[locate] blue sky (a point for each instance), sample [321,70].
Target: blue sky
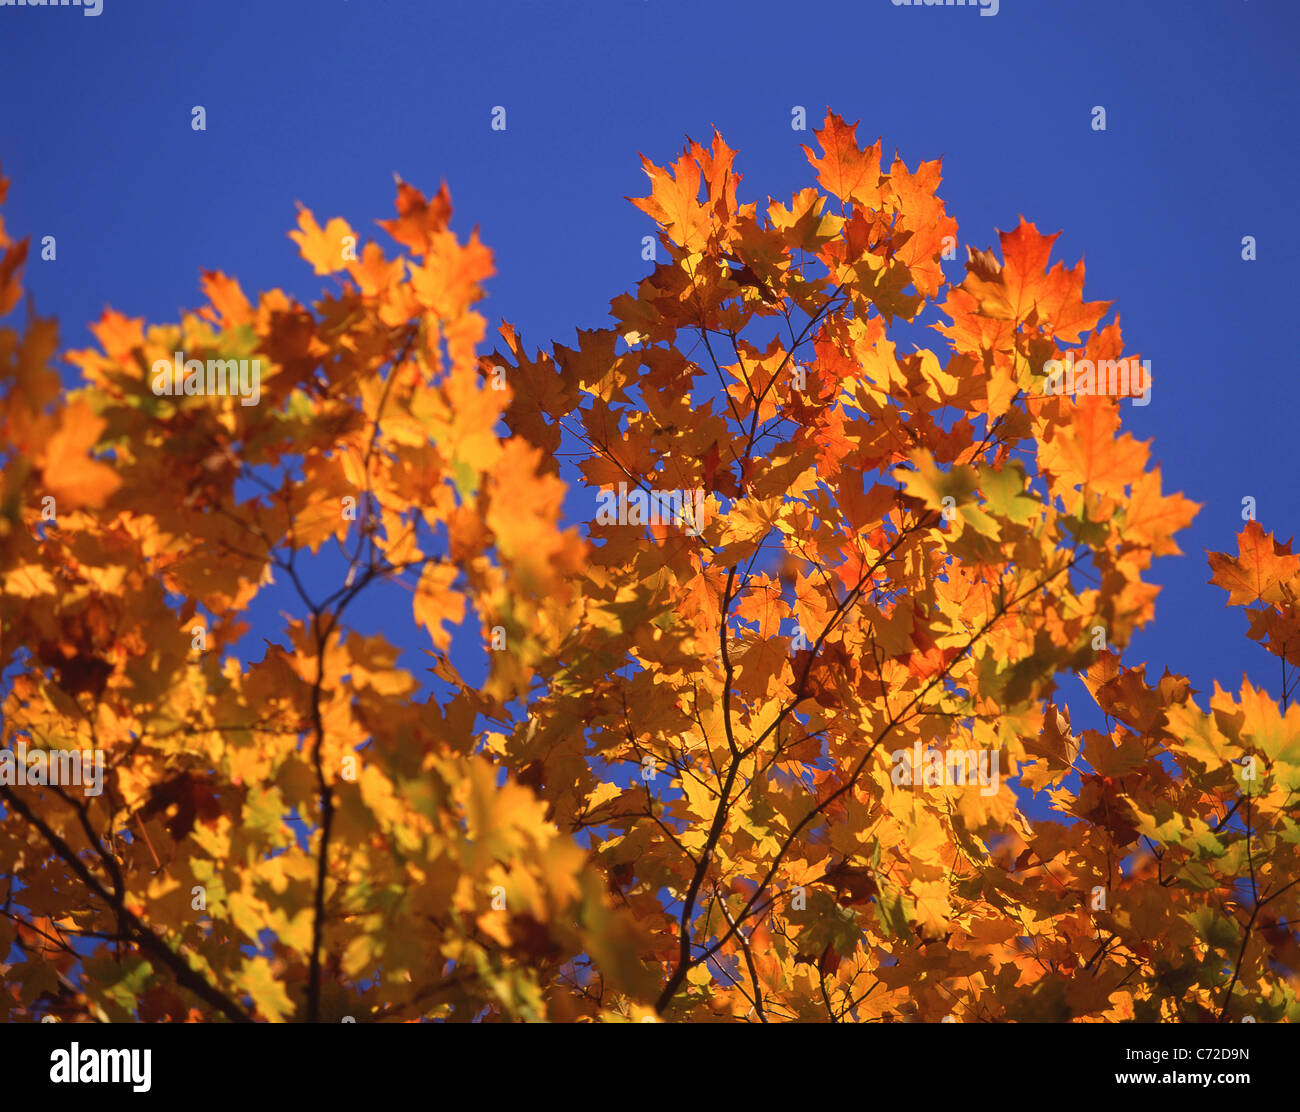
[324,101]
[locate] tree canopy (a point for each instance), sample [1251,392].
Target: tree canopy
[751,740]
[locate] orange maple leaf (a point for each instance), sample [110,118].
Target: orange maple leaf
[1258,570]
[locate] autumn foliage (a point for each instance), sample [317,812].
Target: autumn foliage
[672,790]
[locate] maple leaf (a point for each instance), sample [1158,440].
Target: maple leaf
[845,169]
[70,473]
[325,248]
[1087,453]
[419,220]
[435,602]
[1258,571]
